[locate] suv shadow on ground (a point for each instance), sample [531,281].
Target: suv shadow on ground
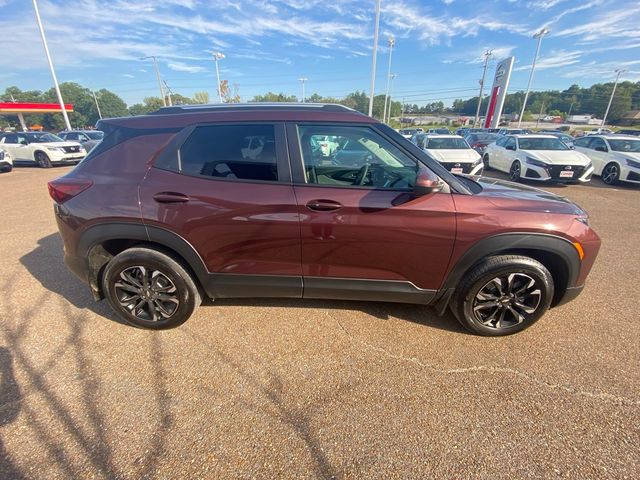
[46,264]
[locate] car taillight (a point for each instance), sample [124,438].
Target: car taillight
[62,189]
[477,145]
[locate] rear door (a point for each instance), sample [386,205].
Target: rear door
[11,144]
[237,211]
[363,235]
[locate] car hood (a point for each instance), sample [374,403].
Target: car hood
[558,157]
[515,196]
[454,155]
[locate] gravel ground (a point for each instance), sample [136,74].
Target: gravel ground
[312,389]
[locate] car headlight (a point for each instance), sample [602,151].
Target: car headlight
[536,163]
[56,149]
[632,163]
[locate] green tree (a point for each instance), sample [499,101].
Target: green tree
[201,97]
[111,105]
[274,97]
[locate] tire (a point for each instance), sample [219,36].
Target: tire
[485,161]
[166,293]
[515,171]
[475,307]
[42,160]
[611,173]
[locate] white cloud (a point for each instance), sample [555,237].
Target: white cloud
[557,58]
[184,67]
[128,75]
[545,4]
[604,70]
[613,23]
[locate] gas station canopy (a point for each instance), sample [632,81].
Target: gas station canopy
[20,107]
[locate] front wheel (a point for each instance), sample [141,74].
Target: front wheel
[149,289]
[611,174]
[503,295]
[485,161]
[42,160]
[515,171]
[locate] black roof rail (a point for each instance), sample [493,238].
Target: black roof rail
[327,107]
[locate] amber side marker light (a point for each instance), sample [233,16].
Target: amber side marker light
[579,249]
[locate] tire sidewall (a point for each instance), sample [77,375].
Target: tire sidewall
[42,159]
[186,291]
[617,177]
[543,279]
[517,162]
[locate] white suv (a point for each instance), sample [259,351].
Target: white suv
[42,148]
[6,162]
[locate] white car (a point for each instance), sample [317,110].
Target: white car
[615,158]
[6,162]
[452,151]
[537,157]
[42,148]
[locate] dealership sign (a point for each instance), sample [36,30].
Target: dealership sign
[498,92]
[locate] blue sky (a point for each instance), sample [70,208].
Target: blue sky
[270,44]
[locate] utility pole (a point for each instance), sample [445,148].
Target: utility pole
[155,65]
[373,61]
[218,56]
[53,72]
[168,90]
[97,104]
[540,114]
[302,80]
[487,55]
[391,43]
[402,113]
[570,108]
[613,92]
[393,77]
[537,36]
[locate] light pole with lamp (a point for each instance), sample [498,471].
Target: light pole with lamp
[487,54]
[393,77]
[373,60]
[613,92]
[392,42]
[537,36]
[218,56]
[155,65]
[303,80]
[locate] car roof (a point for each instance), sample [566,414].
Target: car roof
[183,115]
[616,137]
[442,135]
[533,135]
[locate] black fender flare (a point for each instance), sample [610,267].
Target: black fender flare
[96,235]
[514,242]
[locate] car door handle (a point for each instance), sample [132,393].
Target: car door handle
[170,197]
[323,205]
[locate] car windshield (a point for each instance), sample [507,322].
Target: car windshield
[95,135]
[625,145]
[551,143]
[447,144]
[441,130]
[483,137]
[43,137]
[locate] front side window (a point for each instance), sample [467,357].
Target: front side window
[510,142]
[221,152]
[582,142]
[353,156]
[501,141]
[598,143]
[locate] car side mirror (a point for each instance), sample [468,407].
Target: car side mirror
[426,183]
[22,141]
[601,149]
[572,147]
[510,147]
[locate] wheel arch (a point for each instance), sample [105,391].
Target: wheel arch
[100,243]
[556,253]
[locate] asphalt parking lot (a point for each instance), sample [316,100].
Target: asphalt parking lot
[313,389]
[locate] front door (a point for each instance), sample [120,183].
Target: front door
[363,235]
[236,208]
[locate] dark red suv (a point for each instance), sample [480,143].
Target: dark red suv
[308,201]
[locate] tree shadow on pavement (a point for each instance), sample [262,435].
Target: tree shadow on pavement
[10,403]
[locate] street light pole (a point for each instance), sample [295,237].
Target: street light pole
[53,72]
[373,61]
[393,76]
[538,36]
[302,80]
[155,65]
[487,54]
[392,42]
[218,56]
[613,92]
[97,104]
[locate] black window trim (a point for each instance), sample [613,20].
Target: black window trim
[172,152]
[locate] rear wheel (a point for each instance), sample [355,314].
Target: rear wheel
[42,160]
[611,173]
[515,171]
[503,295]
[485,161]
[149,289]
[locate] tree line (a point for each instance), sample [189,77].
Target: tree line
[575,100]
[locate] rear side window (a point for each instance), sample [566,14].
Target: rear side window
[223,152]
